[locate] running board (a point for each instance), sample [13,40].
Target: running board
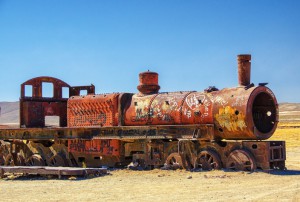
[46,170]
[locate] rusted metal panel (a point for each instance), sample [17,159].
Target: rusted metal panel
[95,146]
[96,152]
[197,109]
[204,132]
[237,113]
[31,114]
[36,84]
[241,113]
[34,112]
[169,108]
[166,108]
[93,110]
[139,111]
[75,90]
[34,108]
[134,146]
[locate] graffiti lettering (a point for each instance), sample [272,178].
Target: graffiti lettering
[193,100]
[92,146]
[165,117]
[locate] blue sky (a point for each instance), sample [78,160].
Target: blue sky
[191,44]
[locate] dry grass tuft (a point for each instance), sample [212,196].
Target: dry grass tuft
[289,132]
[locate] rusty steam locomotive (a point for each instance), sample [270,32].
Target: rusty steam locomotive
[206,130]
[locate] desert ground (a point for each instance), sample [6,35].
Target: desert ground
[179,185]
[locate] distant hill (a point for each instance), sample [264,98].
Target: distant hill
[289,112]
[10,112]
[289,107]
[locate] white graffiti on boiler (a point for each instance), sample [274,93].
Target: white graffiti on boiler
[194,100]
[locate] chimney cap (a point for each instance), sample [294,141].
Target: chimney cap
[148,82]
[148,72]
[244,57]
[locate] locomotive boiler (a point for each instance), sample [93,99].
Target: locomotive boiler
[206,130]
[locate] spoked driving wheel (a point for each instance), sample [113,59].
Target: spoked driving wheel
[17,161]
[57,160]
[2,160]
[174,161]
[4,152]
[35,160]
[241,160]
[208,160]
[9,160]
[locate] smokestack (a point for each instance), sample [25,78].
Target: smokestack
[148,83]
[244,69]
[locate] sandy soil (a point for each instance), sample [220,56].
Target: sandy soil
[159,185]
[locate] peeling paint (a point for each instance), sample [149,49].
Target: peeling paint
[231,119]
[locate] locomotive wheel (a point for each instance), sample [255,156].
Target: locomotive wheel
[241,160]
[10,161]
[208,160]
[4,151]
[2,160]
[57,160]
[174,161]
[39,149]
[172,148]
[35,160]
[20,160]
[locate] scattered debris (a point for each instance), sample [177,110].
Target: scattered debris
[189,177]
[216,176]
